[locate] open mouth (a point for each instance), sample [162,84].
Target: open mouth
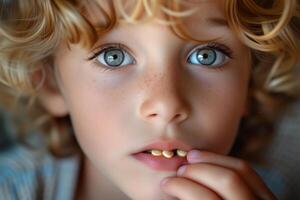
[163,155]
[162,160]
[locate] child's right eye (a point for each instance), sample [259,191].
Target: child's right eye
[112,57]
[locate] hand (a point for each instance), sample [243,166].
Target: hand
[214,176]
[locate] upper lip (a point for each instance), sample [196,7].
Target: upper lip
[166,145]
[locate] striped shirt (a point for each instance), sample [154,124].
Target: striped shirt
[30,174]
[33,173]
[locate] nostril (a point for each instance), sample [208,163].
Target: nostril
[179,117]
[153,115]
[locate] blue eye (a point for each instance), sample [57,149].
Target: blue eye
[212,56]
[114,57]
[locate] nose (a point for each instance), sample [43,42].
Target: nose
[164,101]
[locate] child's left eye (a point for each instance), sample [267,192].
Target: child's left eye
[209,56]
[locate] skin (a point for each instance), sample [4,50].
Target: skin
[158,96]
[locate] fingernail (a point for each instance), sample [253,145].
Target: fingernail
[181,170]
[194,156]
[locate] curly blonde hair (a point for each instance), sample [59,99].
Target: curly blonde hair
[30,32]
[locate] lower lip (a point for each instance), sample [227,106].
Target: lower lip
[161,163]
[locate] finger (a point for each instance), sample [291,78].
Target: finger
[185,189]
[251,178]
[226,183]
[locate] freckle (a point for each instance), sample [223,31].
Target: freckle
[149,81]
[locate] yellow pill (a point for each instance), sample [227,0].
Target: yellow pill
[168,154]
[181,153]
[156,152]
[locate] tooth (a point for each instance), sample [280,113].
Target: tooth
[167,154]
[156,152]
[181,153]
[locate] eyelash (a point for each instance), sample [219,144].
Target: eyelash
[106,47]
[212,45]
[217,46]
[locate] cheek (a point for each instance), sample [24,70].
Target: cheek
[98,118]
[219,111]
[222,123]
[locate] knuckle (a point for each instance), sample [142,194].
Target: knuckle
[231,180]
[243,166]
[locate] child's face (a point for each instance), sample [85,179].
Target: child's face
[162,90]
